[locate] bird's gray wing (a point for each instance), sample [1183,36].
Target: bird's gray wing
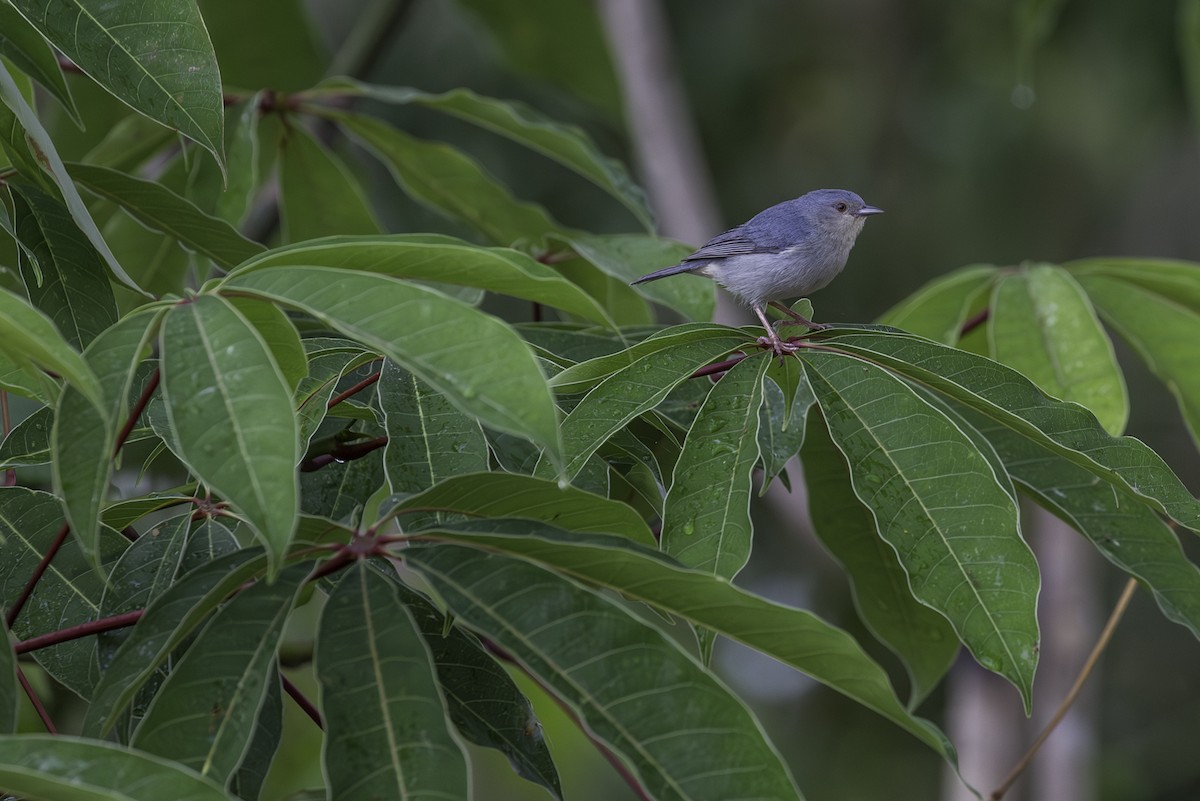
[734,242]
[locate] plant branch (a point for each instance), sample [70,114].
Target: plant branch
[82,630]
[976,321]
[342,453]
[1088,666]
[719,367]
[136,413]
[301,700]
[354,390]
[32,695]
[27,591]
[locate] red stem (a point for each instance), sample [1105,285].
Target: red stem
[37,574]
[136,413]
[354,390]
[342,453]
[37,702]
[308,706]
[82,630]
[976,321]
[719,367]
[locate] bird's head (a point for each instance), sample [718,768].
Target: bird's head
[836,210]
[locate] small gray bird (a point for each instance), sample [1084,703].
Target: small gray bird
[789,250]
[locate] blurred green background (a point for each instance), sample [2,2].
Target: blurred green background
[990,131]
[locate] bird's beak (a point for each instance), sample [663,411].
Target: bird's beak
[867,211]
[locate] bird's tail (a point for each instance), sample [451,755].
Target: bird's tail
[685,267]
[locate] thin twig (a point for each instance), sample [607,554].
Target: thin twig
[120,621]
[308,706]
[976,321]
[1088,666]
[32,695]
[37,574]
[136,413]
[342,453]
[354,390]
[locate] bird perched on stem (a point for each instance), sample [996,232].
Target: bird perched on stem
[786,251]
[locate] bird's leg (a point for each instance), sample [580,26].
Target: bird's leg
[800,318]
[772,339]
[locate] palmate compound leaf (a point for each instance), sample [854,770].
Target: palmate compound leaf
[939,503]
[386,732]
[1010,399]
[795,637]
[475,360]
[75,769]
[684,735]
[156,57]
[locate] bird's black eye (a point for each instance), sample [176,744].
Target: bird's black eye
[841,207]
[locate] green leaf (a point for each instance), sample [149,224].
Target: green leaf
[166,624]
[84,436]
[31,341]
[513,495]
[428,439]
[386,732]
[10,691]
[1008,397]
[63,273]
[120,514]
[429,334]
[781,418]
[231,415]
[706,519]
[1161,330]
[1043,326]
[29,441]
[208,542]
[339,492]
[157,207]
[319,196]
[21,44]
[795,637]
[633,390]
[203,715]
[1178,281]
[939,309]
[443,259]
[482,700]
[20,377]
[630,256]
[325,370]
[922,639]
[937,501]
[1124,529]
[441,177]
[566,144]
[74,769]
[129,143]
[67,594]
[39,144]
[684,735]
[268,730]
[273,325]
[587,374]
[121,48]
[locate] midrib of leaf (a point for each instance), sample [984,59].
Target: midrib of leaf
[954,557]
[84,12]
[419,401]
[377,669]
[751,411]
[1043,334]
[227,400]
[588,697]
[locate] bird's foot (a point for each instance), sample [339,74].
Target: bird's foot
[781,347]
